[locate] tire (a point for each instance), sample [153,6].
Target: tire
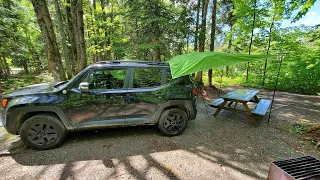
[172,122]
[42,132]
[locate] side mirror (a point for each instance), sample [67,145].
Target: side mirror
[84,87]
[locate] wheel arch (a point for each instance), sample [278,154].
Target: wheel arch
[21,114]
[179,106]
[182,104]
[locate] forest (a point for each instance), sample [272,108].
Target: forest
[65,36]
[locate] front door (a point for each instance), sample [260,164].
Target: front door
[104,104]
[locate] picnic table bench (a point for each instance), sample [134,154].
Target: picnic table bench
[242,96]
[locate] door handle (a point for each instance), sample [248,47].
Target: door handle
[129,97]
[116,97]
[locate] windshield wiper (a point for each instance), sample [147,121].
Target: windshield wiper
[60,83]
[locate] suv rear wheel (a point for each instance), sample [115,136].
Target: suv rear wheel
[172,122]
[42,132]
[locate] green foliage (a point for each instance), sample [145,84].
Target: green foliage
[302,5]
[301,63]
[144,77]
[24,79]
[298,128]
[148,30]
[19,36]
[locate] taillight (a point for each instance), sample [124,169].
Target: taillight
[4,103]
[194,91]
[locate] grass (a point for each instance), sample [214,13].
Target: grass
[225,81]
[298,128]
[21,80]
[16,68]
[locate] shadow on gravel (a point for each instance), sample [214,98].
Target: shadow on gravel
[114,147]
[226,147]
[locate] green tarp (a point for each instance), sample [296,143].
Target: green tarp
[200,61]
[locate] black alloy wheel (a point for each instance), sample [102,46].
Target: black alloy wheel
[43,131]
[42,134]
[173,122]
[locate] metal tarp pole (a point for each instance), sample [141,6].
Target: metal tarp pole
[275,87]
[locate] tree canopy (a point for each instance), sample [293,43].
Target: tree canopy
[64,36]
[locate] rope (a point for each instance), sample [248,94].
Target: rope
[220,83]
[204,103]
[275,87]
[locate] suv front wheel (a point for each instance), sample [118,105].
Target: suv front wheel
[42,132]
[172,122]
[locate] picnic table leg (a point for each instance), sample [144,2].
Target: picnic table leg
[230,103]
[220,107]
[256,99]
[251,116]
[235,106]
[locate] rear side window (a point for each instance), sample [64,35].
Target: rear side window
[149,77]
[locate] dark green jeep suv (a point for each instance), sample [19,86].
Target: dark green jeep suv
[105,94]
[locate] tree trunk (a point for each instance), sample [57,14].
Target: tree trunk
[65,52]
[106,32]
[229,50]
[269,41]
[25,66]
[230,22]
[196,35]
[94,17]
[157,53]
[78,26]
[3,73]
[251,39]
[4,66]
[213,35]
[51,47]
[187,38]
[202,37]
[90,25]
[157,34]
[72,38]
[108,45]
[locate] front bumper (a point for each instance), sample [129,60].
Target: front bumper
[2,116]
[5,116]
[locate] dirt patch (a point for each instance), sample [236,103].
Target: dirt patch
[313,134]
[225,147]
[209,93]
[295,113]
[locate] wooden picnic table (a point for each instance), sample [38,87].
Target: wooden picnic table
[242,96]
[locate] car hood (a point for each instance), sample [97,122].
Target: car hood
[33,89]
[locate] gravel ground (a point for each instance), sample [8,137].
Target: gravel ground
[225,147]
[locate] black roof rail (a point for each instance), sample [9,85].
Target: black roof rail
[107,62]
[132,61]
[102,62]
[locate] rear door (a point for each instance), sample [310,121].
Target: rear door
[145,94]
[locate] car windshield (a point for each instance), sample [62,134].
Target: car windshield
[63,84]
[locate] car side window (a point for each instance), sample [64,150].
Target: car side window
[107,78]
[148,77]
